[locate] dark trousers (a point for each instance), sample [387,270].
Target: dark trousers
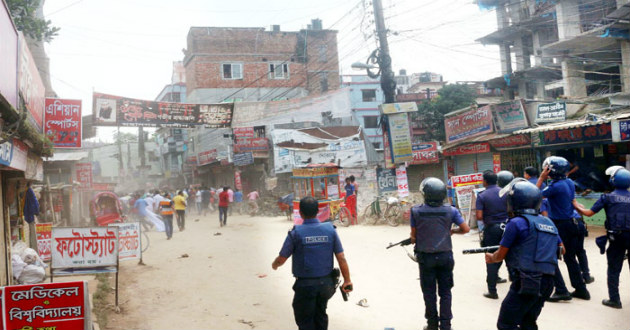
[310,301]
[619,246]
[168,225]
[223,213]
[492,234]
[436,269]
[522,311]
[181,219]
[581,252]
[569,234]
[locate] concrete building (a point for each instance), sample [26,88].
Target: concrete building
[564,48]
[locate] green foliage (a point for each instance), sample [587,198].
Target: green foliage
[23,13]
[450,98]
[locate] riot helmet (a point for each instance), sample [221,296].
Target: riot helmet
[504,178]
[619,177]
[434,191]
[523,197]
[558,167]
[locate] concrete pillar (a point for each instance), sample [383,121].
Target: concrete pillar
[506,59]
[540,90]
[522,52]
[503,20]
[522,89]
[568,17]
[573,78]
[624,68]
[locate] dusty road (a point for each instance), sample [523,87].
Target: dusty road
[227,283]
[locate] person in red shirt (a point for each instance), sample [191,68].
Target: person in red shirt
[224,203]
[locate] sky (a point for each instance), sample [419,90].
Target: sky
[126,47]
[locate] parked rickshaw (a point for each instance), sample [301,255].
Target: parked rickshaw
[105,208]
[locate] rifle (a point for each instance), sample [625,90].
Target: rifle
[401,243]
[488,249]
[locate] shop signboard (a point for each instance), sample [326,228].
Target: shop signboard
[6,153]
[475,122]
[400,138]
[62,122]
[207,157]
[9,56]
[467,149]
[464,186]
[386,179]
[467,180]
[425,153]
[129,243]
[577,134]
[19,155]
[402,181]
[31,85]
[84,247]
[47,306]
[620,130]
[509,116]
[496,162]
[252,144]
[44,235]
[243,159]
[241,133]
[512,141]
[393,108]
[84,175]
[238,183]
[551,112]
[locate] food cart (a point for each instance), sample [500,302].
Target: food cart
[320,181]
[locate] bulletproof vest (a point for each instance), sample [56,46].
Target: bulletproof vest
[433,228]
[313,254]
[617,208]
[538,253]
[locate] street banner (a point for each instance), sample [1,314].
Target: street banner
[207,157]
[84,175]
[44,235]
[31,85]
[386,179]
[551,112]
[468,149]
[238,184]
[620,130]
[464,186]
[241,133]
[474,122]
[50,306]
[62,122]
[467,180]
[509,116]
[251,145]
[496,162]
[425,153]
[578,134]
[129,244]
[84,247]
[402,182]
[243,159]
[400,138]
[392,108]
[512,141]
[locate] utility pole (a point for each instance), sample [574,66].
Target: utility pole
[141,152]
[388,84]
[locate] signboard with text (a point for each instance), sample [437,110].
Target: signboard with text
[400,138]
[129,244]
[467,180]
[467,149]
[620,130]
[392,108]
[577,134]
[62,122]
[386,179]
[243,159]
[84,174]
[474,122]
[31,85]
[509,116]
[425,153]
[512,141]
[464,186]
[402,182]
[84,247]
[44,235]
[551,112]
[207,157]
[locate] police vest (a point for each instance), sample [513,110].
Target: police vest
[617,208]
[433,228]
[313,249]
[538,253]
[166,207]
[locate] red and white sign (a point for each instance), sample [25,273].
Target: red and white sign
[44,235]
[238,184]
[84,174]
[402,181]
[467,180]
[253,144]
[425,153]
[467,149]
[129,245]
[241,133]
[84,247]
[62,122]
[207,157]
[31,85]
[46,306]
[496,163]
[511,141]
[469,124]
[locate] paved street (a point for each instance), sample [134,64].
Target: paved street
[227,283]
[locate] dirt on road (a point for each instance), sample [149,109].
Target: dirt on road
[208,277]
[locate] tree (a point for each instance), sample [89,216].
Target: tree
[431,113]
[23,14]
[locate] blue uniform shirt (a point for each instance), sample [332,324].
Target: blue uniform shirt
[457,218]
[560,194]
[494,207]
[141,206]
[516,231]
[534,180]
[238,196]
[601,202]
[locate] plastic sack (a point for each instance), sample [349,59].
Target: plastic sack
[17,264]
[29,256]
[32,274]
[19,247]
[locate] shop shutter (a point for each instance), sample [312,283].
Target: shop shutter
[465,164]
[484,162]
[417,173]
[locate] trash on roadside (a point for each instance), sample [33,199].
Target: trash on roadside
[363,303]
[217,234]
[185,255]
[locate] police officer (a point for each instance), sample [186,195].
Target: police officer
[617,207]
[531,173]
[492,209]
[313,245]
[529,247]
[560,194]
[431,225]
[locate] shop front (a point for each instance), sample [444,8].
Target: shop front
[471,158]
[515,153]
[426,163]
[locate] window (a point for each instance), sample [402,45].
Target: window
[323,53]
[368,95]
[376,145]
[232,71]
[323,81]
[278,71]
[370,121]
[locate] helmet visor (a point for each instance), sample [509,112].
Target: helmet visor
[611,171]
[508,189]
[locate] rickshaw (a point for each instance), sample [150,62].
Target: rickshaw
[105,209]
[320,181]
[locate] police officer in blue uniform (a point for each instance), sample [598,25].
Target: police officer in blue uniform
[617,207]
[531,173]
[560,194]
[492,209]
[529,246]
[431,231]
[312,246]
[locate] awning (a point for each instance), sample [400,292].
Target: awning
[67,156]
[588,120]
[476,139]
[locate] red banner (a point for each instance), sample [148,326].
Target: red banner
[511,141]
[496,163]
[467,180]
[207,157]
[84,175]
[253,144]
[467,149]
[425,153]
[62,122]
[471,123]
[46,306]
[44,234]
[238,184]
[241,133]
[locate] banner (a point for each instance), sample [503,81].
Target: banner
[496,162]
[207,157]
[47,306]
[402,182]
[62,122]
[386,179]
[467,180]
[243,159]
[392,108]
[521,140]
[251,144]
[129,244]
[31,85]
[464,186]
[509,116]
[84,247]
[551,112]
[620,130]
[44,235]
[475,122]
[238,183]
[400,137]
[84,175]
[467,149]
[425,153]
[577,134]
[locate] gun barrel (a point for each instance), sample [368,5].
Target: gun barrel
[403,243]
[481,250]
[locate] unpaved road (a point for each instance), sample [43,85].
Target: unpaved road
[227,283]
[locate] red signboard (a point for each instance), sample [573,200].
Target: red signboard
[207,157]
[496,163]
[425,153]
[191,160]
[467,180]
[44,234]
[62,122]
[243,133]
[238,184]
[467,149]
[471,123]
[84,175]
[31,85]
[512,141]
[46,306]
[253,144]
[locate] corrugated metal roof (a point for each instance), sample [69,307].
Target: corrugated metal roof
[67,156]
[583,122]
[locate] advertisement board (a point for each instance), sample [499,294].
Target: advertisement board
[386,179]
[425,153]
[402,181]
[509,116]
[474,122]
[84,175]
[243,159]
[31,85]
[84,247]
[44,235]
[551,112]
[62,122]
[207,157]
[400,138]
[577,134]
[467,149]
[512,141]
[129,244]
[464,186]
[467,180]
[393,108]
[620,130]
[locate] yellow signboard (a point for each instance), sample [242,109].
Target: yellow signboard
[391,108]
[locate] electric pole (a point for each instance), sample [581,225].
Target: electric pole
[388,84]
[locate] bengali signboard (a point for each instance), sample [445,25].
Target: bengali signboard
[129,244]
[496,162]
[393,108]
[577,134]
[243,159]
[31,85]
[386,179]
[238,183]
[400,138]
[49,306]
[207,157]
[467,180]
[551,112]
[467,149]
[464,186]
[84,247]
[509,116]
[6,153]
[84,175]
[475,122]
[620,130]
[44,235]
[402,182]
[62,122]
[425,153]
[512,141]
[251,144]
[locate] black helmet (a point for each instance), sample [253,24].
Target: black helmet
[504,178]
[558,166]
[523,197]
[434,191]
